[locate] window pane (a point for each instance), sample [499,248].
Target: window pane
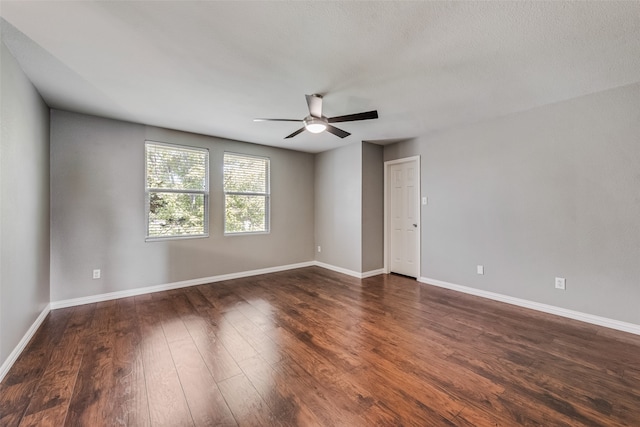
[243,174]
[176,214]
[177,190]
[176,168]
[245,213]
[246,188]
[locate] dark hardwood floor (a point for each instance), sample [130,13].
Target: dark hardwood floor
[311,347]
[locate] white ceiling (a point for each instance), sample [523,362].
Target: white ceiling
[211,67]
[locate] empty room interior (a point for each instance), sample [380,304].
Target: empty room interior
[319,213]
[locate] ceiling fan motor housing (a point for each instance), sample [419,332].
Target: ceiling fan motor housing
[315,124]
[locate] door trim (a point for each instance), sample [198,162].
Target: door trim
[387,216]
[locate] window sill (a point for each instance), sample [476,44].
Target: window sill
[164,239]
[246,233]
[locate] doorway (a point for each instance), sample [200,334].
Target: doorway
[402,216]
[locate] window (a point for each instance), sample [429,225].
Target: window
[177,191]
[246,194]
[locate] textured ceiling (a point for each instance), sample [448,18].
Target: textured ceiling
[211,67]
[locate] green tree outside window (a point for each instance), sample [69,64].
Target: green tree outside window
[246,193]
[177,188]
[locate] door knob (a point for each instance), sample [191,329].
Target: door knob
[415,225]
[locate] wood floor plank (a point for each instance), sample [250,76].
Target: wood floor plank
[254,335]
[19,384]
[131,407]
[206,404]
[167,403]
[322,405]
[311,347]
[276,393]
[93,398]
[50,402]
[203,330]
[262,321]
[230,338]
[247,406]
[110,383]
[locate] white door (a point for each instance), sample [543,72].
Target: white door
[403,213]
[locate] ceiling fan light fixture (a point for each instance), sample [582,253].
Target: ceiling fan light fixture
[316,122]
[315,125]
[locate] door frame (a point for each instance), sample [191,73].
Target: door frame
[387,216]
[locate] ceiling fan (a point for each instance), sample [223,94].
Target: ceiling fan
[315,122]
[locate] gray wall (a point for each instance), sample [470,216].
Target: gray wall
[372,207]
[24,204]
[338,206]
[553,191]
[98,217]
[349,207]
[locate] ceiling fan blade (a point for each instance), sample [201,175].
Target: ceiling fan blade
[295,133]
[354,117]
[277,120]
[337,132]
[315,105]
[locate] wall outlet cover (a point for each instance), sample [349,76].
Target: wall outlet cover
[480,269]
[560,283]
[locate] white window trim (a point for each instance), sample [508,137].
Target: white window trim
[267,195]
[149,190]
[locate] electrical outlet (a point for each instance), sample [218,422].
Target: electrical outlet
[319,248]
[96,274]
[560,283]
[480,269]
[425,201]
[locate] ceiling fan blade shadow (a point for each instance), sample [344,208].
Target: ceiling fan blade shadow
[315,105]
[295,133]
[337,132]
[368,115]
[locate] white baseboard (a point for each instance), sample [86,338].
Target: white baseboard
[23,342]
[551,309]
[371,273]
[174,285]
[349,272]
[202,281]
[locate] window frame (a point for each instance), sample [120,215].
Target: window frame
[150,190]
[266,195]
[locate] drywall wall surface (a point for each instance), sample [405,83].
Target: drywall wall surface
[338,204]
[550,192]
[98,211]
[372,207]
[24,204]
